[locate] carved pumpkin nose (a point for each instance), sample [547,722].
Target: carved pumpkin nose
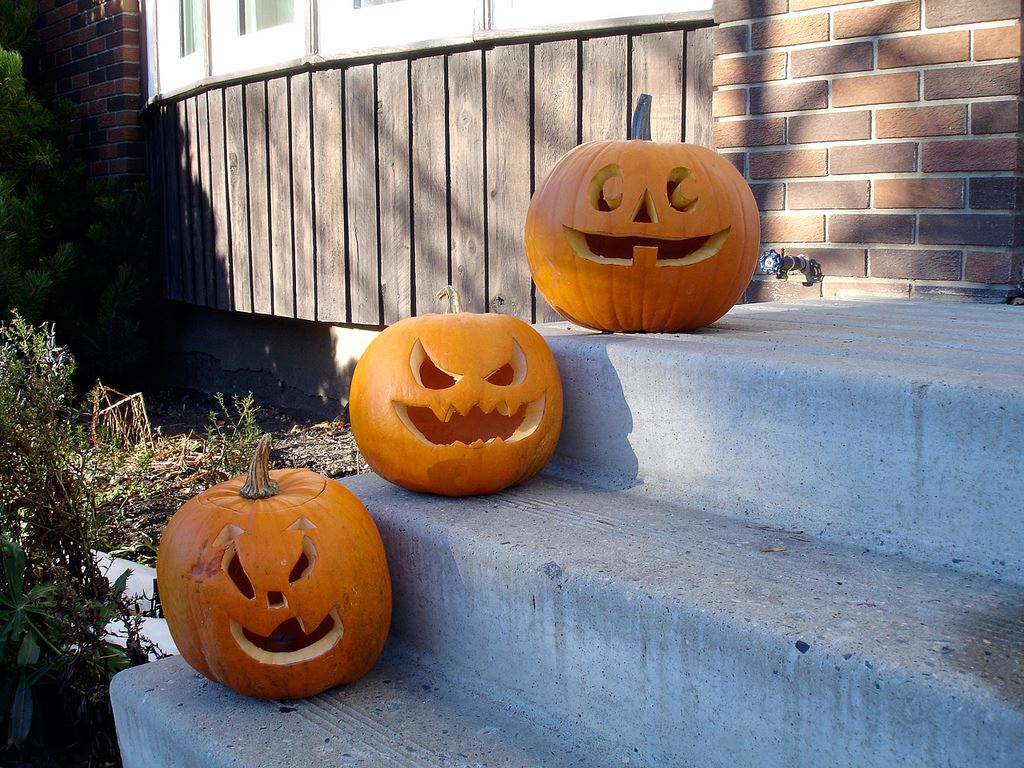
[645,212]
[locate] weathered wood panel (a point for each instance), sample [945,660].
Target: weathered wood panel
[259,197]
[328,198]
[466,201]
[393,152]
[302,198]
[350,195]
[361,180]
[429,181]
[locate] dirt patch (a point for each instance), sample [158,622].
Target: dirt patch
[148,487]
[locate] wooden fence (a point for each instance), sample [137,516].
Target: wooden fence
[351,194]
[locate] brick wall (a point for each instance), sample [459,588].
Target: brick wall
[881,138]
[88,52]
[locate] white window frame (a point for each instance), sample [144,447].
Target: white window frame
[235,52]
[173,69]
[343,29]
[523,14]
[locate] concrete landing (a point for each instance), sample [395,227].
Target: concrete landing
[890,425]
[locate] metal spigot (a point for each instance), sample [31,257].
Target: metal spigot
[774,263]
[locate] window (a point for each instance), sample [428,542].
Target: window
[190,25]
[351,25]
[256,15]
[250,34]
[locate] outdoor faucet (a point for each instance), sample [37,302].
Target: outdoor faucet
[774,263]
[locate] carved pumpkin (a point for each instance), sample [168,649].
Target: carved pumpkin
[275,584]
[642,236]
[456,404]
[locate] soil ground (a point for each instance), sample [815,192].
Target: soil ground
[181,419]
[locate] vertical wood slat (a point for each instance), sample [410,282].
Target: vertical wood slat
[508,178]
[606,108]
[201,199]
[170,135]
[259,204]
[657,70]
[237,199]
[184,163]
[555,122]
[279,168]
[395,190]
[698,60]
[302,198]
[466,204]
[222,296]
[361,181]
[329,208]
[429,181]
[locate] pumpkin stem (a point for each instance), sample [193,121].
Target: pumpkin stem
[640,128]
[258,484]
[454,302]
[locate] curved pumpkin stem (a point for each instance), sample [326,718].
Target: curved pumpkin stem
[258,484]
[454,302]
[640,128]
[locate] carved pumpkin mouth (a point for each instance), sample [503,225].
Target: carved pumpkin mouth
[622,249]
[289,643]
[474,429]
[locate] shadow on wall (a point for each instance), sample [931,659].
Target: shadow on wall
[219,335]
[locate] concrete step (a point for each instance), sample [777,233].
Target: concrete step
[397,715]
[653,632]
[890,425]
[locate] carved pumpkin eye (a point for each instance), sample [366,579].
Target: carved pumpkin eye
[512,372]
[426,371]
[304,565]
[677,194]
[605,189]
[230,563]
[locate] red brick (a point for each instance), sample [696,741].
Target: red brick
[59,12]
[918,193]
[808,5]
[738,160]
[997,117]
[877,19]
[794,30]
[96,46]
[126,133]
[750,133]
[729,103]
[763,289]
[988,267]
[972,155]
[946,13]
[996,192]
[873,158]
[972,82]
[825,195]
[875,89]
[80,81]
[920,121]
[733,39]
[735,10]
[914,264]
[839,126]
[830,59]
[916,50]
[967,229]
[788,163]
[998,43]
[842,289]
[783,228]
[845,262]
[749,69]
[769,197]
[789,98]
[871,228]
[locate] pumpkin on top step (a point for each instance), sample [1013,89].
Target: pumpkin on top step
[275,583]
[642,236]
[456,404]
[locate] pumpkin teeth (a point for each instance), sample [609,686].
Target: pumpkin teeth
[503,409]
[508,421]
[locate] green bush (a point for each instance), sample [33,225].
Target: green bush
[55,657]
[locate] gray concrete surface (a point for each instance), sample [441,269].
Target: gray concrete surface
[890,425]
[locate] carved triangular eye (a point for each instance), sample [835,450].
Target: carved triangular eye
[302,524]
[306,560]
[230,563]
[230,532]
[426,372]
[512,372]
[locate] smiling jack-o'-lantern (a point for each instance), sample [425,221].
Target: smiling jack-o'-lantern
[642,236]
[275,583]
[458,403]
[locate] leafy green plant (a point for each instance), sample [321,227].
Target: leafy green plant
[232,437]
[56,658]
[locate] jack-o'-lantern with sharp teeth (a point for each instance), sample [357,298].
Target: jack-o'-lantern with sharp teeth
[456,404]
[275,583]
[642,236]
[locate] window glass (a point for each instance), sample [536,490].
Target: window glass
[254,15]
[189,26]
